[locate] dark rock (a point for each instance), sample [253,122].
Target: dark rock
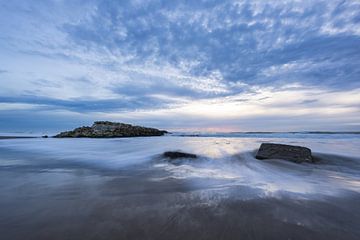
[291,153]
[104,129]
[177,155]
[45,136]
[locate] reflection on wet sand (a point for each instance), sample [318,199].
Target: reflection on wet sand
[121,189]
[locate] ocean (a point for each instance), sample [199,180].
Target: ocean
[122,188]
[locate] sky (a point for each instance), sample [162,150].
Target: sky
[207,65]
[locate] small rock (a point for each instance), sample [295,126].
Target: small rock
[45,136]
[291,153]
[177,155]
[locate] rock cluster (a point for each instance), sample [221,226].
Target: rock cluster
[291,153]
[105,129]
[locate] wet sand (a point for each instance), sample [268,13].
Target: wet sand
[82,204]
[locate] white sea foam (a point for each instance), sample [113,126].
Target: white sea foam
[227,160]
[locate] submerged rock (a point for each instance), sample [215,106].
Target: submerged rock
[105,129]
[177,158]
[291,153]
[177,155]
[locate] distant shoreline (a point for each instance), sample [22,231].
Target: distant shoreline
[199,134]
[203,134]
[306,132]
[15,137]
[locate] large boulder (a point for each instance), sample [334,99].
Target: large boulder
[291,153]
[104,129]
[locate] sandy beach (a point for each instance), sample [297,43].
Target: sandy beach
[122,189]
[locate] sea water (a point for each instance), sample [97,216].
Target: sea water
[222,156]
[50,186]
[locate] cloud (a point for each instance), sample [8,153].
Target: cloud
[199,58]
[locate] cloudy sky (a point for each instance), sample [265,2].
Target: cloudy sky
[210,65]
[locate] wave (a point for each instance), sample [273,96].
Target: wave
[224,162]
[330,175]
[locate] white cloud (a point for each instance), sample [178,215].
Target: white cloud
[219,61]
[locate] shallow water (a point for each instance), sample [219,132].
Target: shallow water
[59,188]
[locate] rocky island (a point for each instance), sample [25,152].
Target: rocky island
[106,129]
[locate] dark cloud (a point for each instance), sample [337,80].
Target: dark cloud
[79,105]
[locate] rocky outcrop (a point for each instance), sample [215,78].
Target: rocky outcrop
[105,129]
[178,158]
[177,155]
[291,153]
